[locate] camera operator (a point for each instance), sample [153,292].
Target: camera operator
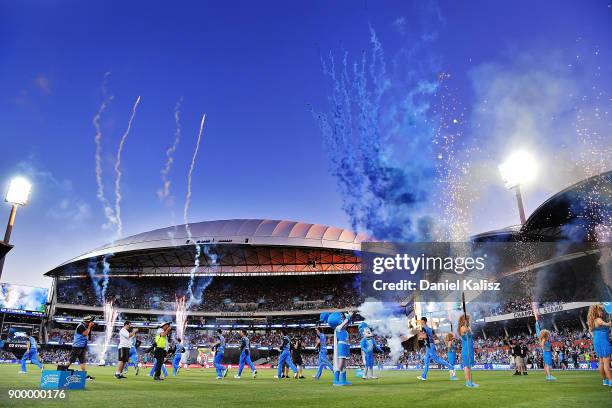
[519,363]
[125,343]
[296,355]
[161,347]
[82,333]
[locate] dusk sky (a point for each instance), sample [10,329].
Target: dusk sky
[254,69]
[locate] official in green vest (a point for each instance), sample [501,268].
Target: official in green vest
[161,348]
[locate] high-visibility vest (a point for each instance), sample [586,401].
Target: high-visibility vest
[160,341]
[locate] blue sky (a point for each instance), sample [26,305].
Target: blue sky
[254,69]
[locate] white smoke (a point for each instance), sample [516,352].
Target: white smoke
[164,192]
[543,103]
[189,178]
[119,223]
[108,210]
[385,324]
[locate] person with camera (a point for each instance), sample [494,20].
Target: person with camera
[161,347]
[125,343]
[82,333]
[296,356]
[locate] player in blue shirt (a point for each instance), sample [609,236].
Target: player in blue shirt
[285,357]
[428,336]
[219,349]
[179,349]
[79,344]
[321,346]
[245,355]
[133,356]
[30,354]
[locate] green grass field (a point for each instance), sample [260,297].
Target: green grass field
[199,388]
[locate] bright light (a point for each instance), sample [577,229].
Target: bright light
[19,191]
[519,168]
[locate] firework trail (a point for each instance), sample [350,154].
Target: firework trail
[180,311]
[196,265]
[110,317]
[198,249]
[108,210]
[118,170]
[105,273]
[92,270]
[164,193]
[189,177]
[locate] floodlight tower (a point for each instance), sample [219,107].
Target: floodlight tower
[519,168]
[18,194]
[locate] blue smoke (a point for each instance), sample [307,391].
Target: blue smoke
[92,270]
[99,282]
[379,134]
[197,286]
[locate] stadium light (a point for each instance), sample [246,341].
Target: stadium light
[519,168]
[18,194]
[19,191]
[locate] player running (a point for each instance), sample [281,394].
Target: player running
[285,357]
[245,355]
[600,330]
[219,349]
[321,346]
[30,354]
[179,349]
[430,351]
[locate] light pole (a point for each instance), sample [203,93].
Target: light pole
[18,194]
[519,168]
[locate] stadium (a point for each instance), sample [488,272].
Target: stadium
[264,275]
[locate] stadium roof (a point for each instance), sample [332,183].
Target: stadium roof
[579,207]
[243,232]
[589,199]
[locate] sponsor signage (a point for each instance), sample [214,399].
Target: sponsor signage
[63,380]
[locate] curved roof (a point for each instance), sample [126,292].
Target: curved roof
[589,199]
[257,232]
[583,205]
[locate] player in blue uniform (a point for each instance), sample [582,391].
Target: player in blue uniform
[467,350]
[285,357]
[321,346]
[179,349]
[133,356]
[544,336]
[245,355]
[600,330]
[451,354]
[428,336]
[30,354]
[219,349]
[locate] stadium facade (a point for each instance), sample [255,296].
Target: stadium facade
[298,264]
